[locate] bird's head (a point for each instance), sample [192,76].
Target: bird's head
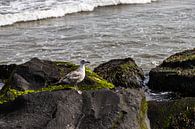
[84,62]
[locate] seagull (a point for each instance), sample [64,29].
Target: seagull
[76,76]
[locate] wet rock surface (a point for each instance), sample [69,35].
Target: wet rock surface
[101,105]
[176,74]
[31,101]
[121,72]
[175,114]
[34,74]
[100,109]
[6,71]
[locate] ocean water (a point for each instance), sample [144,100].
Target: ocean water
[25,10]
[71,30]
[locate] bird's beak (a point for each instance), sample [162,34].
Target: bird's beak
[87,62]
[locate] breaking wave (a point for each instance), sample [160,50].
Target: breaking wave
[29,10]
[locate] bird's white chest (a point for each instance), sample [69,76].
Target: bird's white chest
[81,77]
[82,74]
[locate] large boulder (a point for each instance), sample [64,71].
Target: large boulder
[37,74]
[176,73]
[175,114]
[34,74]
[40,75]
[121,72]
[32,100]
[94,109]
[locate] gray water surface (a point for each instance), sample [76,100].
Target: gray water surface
[147,32]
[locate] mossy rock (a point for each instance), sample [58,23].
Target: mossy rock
[43,79]
[92,81]
[185,59]
[56,106]
[121,72]
[176,73]
[177,114]
[93,109]
[143,119]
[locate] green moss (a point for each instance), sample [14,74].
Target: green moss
[142,115]
[11,94]
[128,66]
[185,59]
[181,115]
[69,65]
[99,83]
[62,64]
[187,55]
[4,98]
[180,58]
[177,114]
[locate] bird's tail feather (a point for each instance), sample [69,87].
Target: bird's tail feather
[62,81]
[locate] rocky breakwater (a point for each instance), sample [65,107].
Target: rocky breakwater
[31,99]
[177,75]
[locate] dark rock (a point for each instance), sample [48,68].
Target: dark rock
[121,108]
[37,74]
[98,109]
[177,114]
[41,75]
[34,74]
[121,72]
[185,59]
[6,71]
[176,73]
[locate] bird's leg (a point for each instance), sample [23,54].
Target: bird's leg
[61,79]
[77,89]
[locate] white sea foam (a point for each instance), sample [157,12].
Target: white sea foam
[28,10]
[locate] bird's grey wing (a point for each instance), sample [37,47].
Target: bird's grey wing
[73,75]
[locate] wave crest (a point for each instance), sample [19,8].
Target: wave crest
[29,10]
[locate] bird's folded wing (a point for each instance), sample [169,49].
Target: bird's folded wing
[74,75]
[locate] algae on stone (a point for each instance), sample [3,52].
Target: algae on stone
[121,72]
[176,74]
[177,114]
[184,56]
[143,114]
[96,82]
[185,59]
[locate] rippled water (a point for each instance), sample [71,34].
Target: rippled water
[148,32]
